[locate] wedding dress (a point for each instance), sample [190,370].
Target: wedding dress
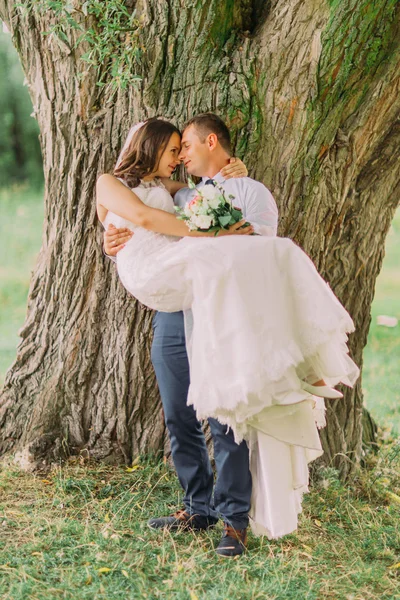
[261,321]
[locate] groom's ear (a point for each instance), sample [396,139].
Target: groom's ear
[212,141]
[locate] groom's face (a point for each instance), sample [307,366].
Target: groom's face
[194,153]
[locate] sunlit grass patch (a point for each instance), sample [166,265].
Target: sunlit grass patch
[81,532]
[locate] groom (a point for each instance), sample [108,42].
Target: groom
[206,149]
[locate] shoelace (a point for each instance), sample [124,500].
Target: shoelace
[239,534]
[181,514]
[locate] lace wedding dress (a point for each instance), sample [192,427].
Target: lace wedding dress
[262,319]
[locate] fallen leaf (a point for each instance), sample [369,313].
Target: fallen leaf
[318,523]
[125,574]
[104,570]
[396,566]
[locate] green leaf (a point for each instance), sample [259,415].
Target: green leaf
[224,221]
[237,214]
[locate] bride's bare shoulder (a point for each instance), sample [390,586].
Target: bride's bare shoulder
[105,179]
[104,184]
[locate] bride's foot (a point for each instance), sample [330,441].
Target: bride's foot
[319,388]
[319,383]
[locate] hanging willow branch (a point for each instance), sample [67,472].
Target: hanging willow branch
[109,30]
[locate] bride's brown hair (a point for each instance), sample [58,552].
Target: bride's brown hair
[143,154]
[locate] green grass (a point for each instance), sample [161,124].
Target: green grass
[20,236]
[381,380]
[80,532]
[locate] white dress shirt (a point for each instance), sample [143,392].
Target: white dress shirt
[252,197]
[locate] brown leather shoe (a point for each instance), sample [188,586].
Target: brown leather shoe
[182,520]
[233,542]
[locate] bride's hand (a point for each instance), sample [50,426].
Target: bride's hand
[237,229]
[236,168]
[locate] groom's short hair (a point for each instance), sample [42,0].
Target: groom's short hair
[206,123]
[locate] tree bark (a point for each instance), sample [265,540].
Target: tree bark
[310,91]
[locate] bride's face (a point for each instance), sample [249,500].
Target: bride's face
[169,159]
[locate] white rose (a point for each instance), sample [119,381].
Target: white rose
[203,210]
[210,192]
[215,202]
[195,205]
[187,211]
[205,205]
[203,221]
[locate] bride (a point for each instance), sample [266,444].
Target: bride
[264,331]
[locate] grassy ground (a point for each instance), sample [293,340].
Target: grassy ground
[80,532]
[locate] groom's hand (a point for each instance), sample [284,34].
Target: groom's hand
[115,239]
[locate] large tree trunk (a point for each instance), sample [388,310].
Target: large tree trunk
[310,90]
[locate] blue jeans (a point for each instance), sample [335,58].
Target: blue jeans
[232,492]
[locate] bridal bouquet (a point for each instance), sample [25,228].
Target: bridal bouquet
[210,210]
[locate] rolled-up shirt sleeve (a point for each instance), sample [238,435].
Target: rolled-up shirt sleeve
[261,210]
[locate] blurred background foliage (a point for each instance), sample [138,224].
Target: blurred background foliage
[20,157]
